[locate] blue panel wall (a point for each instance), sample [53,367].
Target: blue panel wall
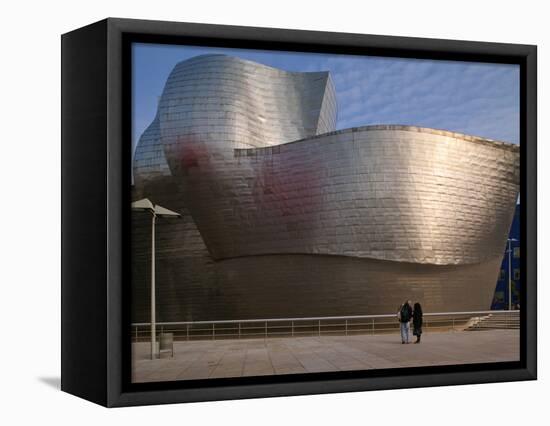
[500,300]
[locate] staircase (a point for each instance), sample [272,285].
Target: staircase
[508,320]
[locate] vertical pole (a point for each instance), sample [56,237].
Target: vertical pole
[292,328]
[509,274]
[187,332]
[239,330]
[319,327]
[153,296]
[346,327]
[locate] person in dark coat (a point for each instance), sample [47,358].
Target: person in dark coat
[405,316]
[417,321]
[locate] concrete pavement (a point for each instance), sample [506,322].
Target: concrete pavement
[203,359]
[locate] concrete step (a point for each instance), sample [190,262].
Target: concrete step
[508,320]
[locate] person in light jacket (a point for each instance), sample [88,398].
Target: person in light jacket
[405,317]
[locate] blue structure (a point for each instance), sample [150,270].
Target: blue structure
[500,300]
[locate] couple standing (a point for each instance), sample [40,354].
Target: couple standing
[406,314]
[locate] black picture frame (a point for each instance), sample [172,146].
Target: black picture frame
[95,349]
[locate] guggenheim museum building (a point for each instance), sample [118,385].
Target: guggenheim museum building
[284,216]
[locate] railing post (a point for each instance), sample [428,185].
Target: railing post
[239,330]
[265,330]
[136,333]
[346,327]
[292,328]
[319,328]
[213,331]
[187,332]
[372,327]
[453,323]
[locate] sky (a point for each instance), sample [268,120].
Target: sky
[478,99]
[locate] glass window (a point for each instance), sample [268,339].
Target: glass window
[516,252]
[516,274]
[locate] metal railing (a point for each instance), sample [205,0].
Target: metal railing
[323,326]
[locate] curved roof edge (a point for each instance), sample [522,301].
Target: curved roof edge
[248,61]
[408,128]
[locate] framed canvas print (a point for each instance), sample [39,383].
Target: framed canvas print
[253,212]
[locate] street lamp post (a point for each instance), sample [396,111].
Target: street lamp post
[156,211]
[510,272]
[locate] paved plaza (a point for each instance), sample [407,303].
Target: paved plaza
[203,359]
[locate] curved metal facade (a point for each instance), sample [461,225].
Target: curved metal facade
[383,192]
[149,161]
[218,103]
[346,222]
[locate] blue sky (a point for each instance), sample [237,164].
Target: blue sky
[473,98]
